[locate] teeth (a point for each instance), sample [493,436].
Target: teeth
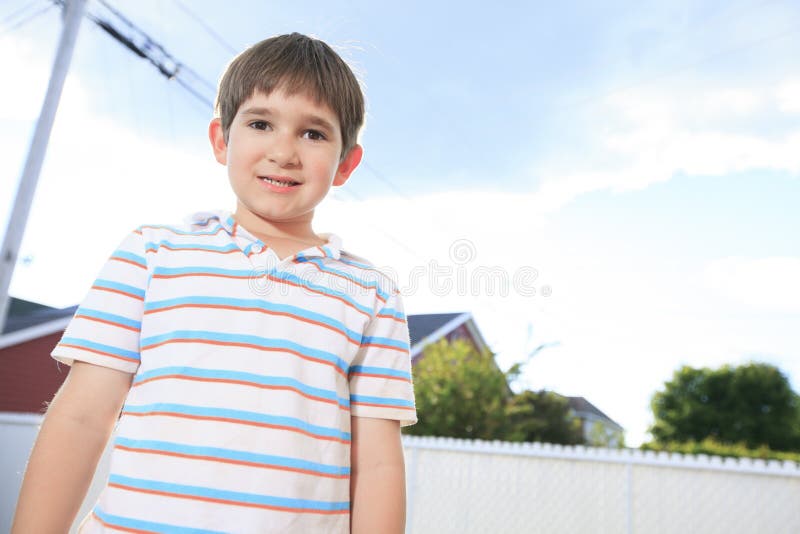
[276,182]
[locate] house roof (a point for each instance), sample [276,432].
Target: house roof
[29,320]
[429,328]
[581,406]
[24,314]
[422,326]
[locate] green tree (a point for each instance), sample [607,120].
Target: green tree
[542,416]
[751,404]
[459,393]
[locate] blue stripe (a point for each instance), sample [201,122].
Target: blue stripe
[254,304]
[402,345]
[357,264]
[230,454]
[179,246]
[109,317]
[387,371]
[239,415]
[322,289]
[367,283]
[391,312]
[109,284]
[255,273]
[130,257]
[249,247]
[234,496]
[85,343]
[257,341]
[138,524]
[385,401]
[202,271]
[242,376]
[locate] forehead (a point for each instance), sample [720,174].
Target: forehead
[279,100]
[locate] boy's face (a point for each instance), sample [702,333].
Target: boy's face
[283,154]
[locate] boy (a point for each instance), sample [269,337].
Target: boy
[264,371]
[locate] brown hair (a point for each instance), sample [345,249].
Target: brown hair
[295,63]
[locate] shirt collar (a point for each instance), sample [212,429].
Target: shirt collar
[224,219]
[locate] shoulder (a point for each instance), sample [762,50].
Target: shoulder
[198,226]
[383,278]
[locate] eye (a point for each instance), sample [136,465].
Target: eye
[314,135]
[259,125]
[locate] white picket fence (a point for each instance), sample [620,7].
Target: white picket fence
[474,486]
[495,487]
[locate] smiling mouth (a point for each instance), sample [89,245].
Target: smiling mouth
[280,182]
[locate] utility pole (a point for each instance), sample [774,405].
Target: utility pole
[73,14]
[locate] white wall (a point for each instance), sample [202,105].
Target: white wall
[17,434]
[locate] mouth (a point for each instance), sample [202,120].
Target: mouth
[279,181]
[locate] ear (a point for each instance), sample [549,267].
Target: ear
[348,165]
[217,138]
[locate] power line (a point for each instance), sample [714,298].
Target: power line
[18,12]
[209,30]
[20,23]
[144,46]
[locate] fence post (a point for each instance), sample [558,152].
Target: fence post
[411,469]
[629,496]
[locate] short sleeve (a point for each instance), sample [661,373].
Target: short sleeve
[106,326]
[380,375]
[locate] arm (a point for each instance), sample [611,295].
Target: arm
[73,436]
[377,477]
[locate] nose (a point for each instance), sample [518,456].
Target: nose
[282,150]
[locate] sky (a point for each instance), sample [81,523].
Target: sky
[616,180]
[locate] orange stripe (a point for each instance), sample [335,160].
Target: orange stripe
[225,501]
[229,461]
[123,529]
[123,260]
[378,345]
[392,317]
[137,297]
[268,312]
[162,245]
[319,293]
[123,358]
[271,278]
[382,376]
[247,345]
[241,383]
[377,295]
[107,322]
[236,421]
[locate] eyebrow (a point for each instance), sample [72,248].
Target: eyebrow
[310,118]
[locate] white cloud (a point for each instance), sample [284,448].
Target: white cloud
[22,94]
[788,96]
[760,284]
[645,136]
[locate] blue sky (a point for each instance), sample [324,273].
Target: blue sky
[641,156]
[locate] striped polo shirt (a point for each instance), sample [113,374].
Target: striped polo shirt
[247,369]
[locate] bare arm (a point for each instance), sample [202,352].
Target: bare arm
[377,478]
[72,439]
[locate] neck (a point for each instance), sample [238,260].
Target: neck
[266,229]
